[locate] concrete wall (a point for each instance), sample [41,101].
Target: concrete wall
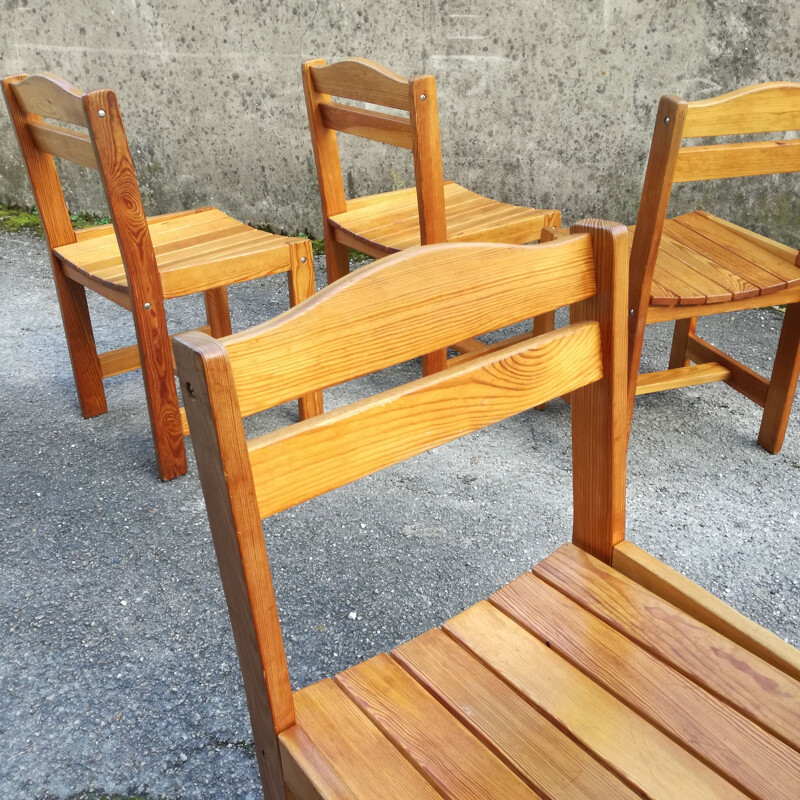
[548,104]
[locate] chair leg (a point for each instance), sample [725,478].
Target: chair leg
[155,353]
[80,341]
[782,383]
[337,257]
[434,362]
[544,323]
[301,287]
[218,311]
[684,329]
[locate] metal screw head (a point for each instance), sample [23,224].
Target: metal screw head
[303,260]
[630,311]
[423,97]
[101,113]
[147,306]
[666,120]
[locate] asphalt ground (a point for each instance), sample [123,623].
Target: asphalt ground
[118,674]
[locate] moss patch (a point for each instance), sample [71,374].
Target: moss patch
[14,219]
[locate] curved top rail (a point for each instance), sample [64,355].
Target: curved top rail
[360,79]
[51,96]
[401,307]
[761,108]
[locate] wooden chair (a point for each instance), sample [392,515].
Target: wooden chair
[432,211]
[601,674]
[698,264]
[137,261]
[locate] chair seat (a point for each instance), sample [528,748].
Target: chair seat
[572,681]
[195,250]
[703,259]
[385,223]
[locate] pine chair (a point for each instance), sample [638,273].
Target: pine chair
[137,262]
[431,212]
[601,674]
[698,264]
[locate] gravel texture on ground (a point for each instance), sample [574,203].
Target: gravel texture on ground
[118,674]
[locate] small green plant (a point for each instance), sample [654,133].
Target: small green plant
[16,218]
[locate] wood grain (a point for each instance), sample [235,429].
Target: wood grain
[678,377]
[738,160]
[373,125]
[657,577]
[47,95]
[638,753]
[214,418]
[360,79]
[712,731]
[536,749]
[63,143]
[297,463]
[756,689]
[454,760]
[447,284]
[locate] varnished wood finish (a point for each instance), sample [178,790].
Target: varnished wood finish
[432,211]
[454,288]
[295,464]
[573,682]
[136,262]
[660,579]
[698,264]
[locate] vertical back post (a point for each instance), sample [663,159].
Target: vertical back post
[212,409]
[58,230]
[649,226]
[329,173]
[136,248]
[599,412]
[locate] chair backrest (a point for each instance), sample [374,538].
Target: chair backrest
[362,80]
[763,108]
[100,144]
[394,309]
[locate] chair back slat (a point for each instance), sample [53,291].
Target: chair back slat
[362,80]
[307,459]
[373,125]
[764,108]
[75,146]
[50,96]
[458,291]
[738,160]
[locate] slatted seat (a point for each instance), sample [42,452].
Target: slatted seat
[192,249]
[702,259]
[600,674]
[573,681]
[432,211]
[137,262]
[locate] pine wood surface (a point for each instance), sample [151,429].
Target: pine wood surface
[47,95]
[535,695]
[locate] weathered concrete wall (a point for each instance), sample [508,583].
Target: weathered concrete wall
[547,104]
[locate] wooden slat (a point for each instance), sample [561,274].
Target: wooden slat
[740,376]
[735,260]
[709,259]
[61,142]
[742,159]
[52,97]
[99,231]
[614,734]
[462,295]
[692,287]
[359,79]
[536,749]
[782,251]
[762,108]
[665,314]
[301,461]
[692,375]
[773,262]
[343,754]
[678,590]
[726,741]
[757,689]
[373,125]
[451,758]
